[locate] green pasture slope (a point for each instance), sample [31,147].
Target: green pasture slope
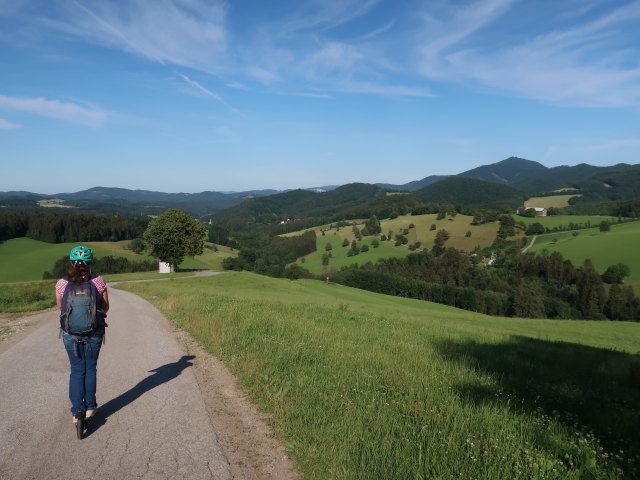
[481,235]
[563,221]
[360,385]
[619,245]
[24,259]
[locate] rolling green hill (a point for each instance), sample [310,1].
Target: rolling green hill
[472,193]
[361,385]
[620,245]
[481,235]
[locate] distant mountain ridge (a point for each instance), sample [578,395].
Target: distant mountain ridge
[525,175]
[506,171]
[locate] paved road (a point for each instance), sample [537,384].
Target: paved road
[151,422]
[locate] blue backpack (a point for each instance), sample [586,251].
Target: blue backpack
[81,309]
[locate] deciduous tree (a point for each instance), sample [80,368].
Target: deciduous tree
[174,235]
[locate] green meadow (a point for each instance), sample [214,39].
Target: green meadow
[619,245]
[458,226]
[24,259]
[27,297]
[564,220]
[359,385]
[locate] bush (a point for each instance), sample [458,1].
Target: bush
[616,273]
[295,271]
[136,245]
[535,228]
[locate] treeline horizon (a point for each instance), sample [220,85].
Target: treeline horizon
[52,227]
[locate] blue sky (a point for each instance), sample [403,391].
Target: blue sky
[193,95]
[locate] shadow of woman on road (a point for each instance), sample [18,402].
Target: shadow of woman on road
[161,375]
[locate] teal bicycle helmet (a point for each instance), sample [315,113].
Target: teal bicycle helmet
[81,253]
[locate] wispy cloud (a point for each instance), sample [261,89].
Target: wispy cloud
[442,34]
[323,15]
[368,88]
[587,64]
[378,31]
[4,125]
[550,151]
[206,91]
[188,33]
[71,112]
[612,145]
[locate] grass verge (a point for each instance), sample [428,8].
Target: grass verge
[363,386]
[27,297]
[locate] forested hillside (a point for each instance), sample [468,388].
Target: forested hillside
[565,176]
[295,204]
[507,171]
[60,227]
[472,193]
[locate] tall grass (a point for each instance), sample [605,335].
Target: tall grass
[365,386]
[27,297]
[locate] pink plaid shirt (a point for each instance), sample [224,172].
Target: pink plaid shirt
[98,281]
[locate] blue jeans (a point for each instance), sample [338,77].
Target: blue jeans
[82,380]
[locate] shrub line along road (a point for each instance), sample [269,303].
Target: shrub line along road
[151,422]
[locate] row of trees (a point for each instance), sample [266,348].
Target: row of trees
[270,255]
[102,266]
[68,227]
[517,285]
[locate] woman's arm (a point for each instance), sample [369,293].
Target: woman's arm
[105,301]
[59,301]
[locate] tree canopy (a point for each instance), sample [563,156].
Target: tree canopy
[174,235]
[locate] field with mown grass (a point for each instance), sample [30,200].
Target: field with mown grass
[557,201]
[619,245]
[360,385]
[458,226]
[24,259]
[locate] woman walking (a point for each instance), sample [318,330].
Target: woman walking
[83,303]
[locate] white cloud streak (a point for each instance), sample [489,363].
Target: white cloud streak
[4,125]
[584,65]
[206,91]
[71,112]
[188,33]
[324,15]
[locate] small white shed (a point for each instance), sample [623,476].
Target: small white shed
[165,267]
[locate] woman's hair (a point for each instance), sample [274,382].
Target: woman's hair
[78,272]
